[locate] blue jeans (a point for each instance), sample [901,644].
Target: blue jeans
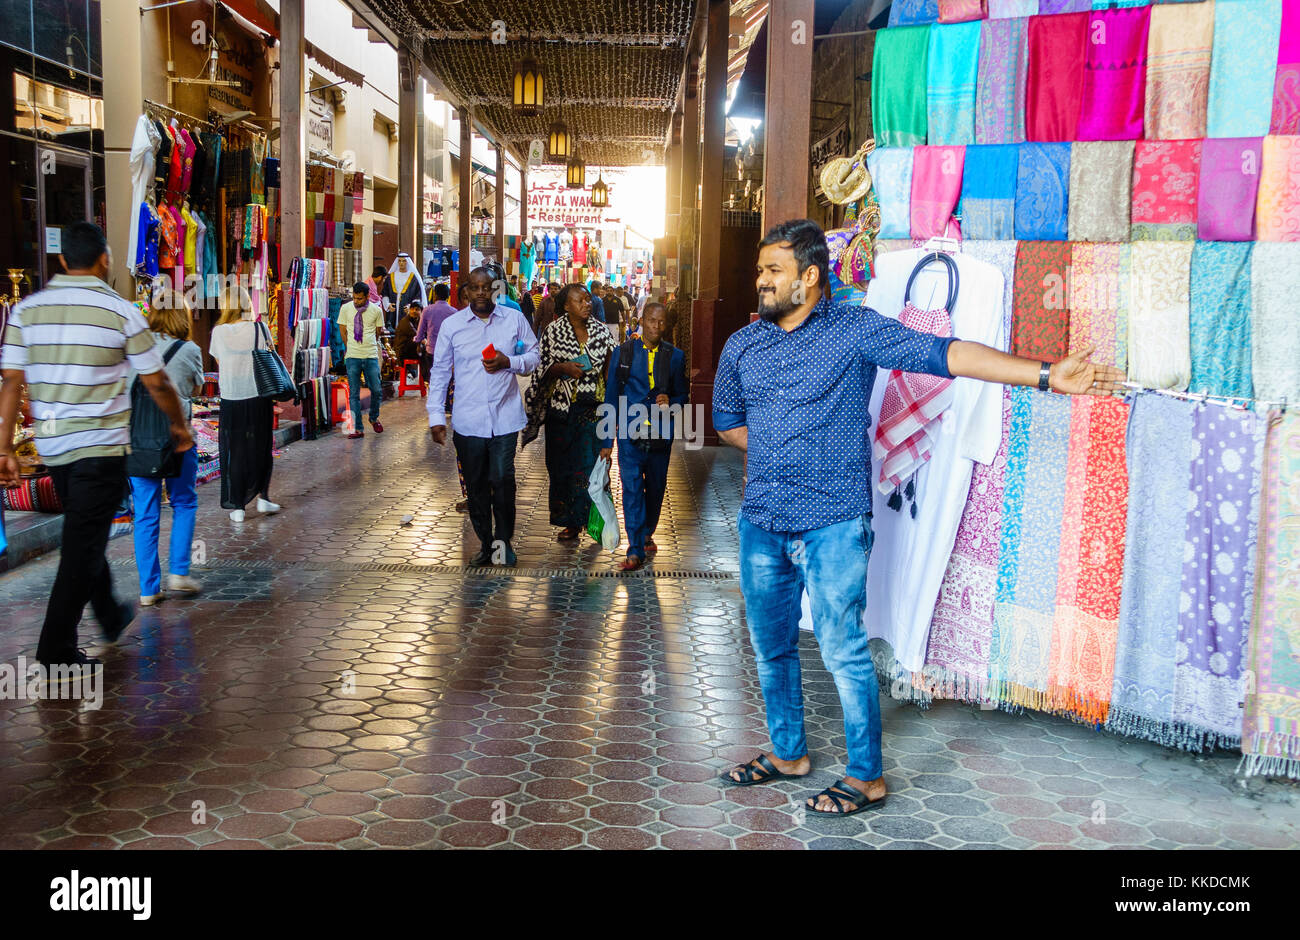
[370,368]
[645,478]
[147,495]
[831,563]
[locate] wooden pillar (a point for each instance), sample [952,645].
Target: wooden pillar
[293,141]
[408,73]
[466,190]
[501,204]
[123,92]
[689,181]
[788,107]
[523,201]
[704,357]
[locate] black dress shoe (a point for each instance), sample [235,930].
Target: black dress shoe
[126,612]
[79,658]
[511,558]
[482,559]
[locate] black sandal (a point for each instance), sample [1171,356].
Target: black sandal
[751,773]
[843,793]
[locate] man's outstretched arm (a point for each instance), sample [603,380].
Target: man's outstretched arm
[1073,375]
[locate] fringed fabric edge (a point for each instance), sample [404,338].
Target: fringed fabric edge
[1271,754]
[1175,734]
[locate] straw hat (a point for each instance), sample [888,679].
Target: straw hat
[846,179]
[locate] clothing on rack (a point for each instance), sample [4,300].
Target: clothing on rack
[1042,192]
[1101,190]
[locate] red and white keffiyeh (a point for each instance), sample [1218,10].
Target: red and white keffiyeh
[911,410]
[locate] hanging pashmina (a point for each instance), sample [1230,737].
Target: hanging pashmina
[1220,327]
[936,187]
[1114,75]
[1054,86]
[1275,341]
[913,12]
[891,175]
[1278,209]
[1031,534]
[1091,566]
[899,67]
[988,192]
[1042,192]
[962,11]
[1041,328]
[1229,186]
[1165,180]
[1046,7]
[1095,321]
[1011,9]
[1241,83]
[1286,84]
[1002,74]
[1159,318]
[1101,190]
[1270,741]
[1178,70]
[950,86]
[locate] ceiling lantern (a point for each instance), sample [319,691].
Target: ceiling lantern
[600,193]
[559,145]
[528,98]
[577,175]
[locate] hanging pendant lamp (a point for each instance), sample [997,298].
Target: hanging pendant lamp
[528,98]
[600,193]
[559,145]
[577,173]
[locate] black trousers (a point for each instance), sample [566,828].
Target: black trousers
[91,491]
[489,467]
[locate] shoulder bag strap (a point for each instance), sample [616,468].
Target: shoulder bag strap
[953,280]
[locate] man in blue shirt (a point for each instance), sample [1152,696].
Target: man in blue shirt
[792,391]
[654,381]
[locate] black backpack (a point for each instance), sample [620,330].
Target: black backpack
[153,453]
[663,361]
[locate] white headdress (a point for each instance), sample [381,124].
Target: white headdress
[412,269]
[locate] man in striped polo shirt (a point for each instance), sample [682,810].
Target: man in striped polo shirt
[72,343]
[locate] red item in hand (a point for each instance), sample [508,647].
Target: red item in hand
[490,353]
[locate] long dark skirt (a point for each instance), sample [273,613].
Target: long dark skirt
[572,449]
[244,445]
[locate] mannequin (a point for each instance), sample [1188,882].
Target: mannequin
[402,286]
[552,247]
[566,245]
[527,263]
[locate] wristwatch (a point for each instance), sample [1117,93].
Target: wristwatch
[1044,377]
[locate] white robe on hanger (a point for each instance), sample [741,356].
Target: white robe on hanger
[144,151]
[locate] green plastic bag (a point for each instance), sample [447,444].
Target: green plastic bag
[595,523]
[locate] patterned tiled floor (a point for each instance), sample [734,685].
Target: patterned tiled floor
[342,683]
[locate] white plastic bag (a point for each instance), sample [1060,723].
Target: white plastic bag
[598,490]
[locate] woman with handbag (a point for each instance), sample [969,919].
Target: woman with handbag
[183,362]
[244,429]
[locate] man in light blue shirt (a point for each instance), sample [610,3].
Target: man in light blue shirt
[489,410]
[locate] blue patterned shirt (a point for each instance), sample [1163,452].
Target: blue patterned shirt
[804,396]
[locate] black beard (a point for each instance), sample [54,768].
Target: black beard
[773,310]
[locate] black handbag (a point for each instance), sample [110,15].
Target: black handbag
[153,452]
[273,380]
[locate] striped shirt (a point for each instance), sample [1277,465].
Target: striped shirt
[76,342]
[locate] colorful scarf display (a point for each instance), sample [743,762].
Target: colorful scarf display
[1160,453]
[1041,327]
[1011,9]
[1095,321]
[950,83]
[1220,327]
[1031,534]
[1101,190]
[1278,210]
[1003,72]
[1270,741]
[1002,255]
[1178,70]
[988,191]
[913,12]
[1286,84]
[1114,75]
[961,631]
[1241,77]
[891,176]
[1218,576]
[1063,6]
[1275,341]
[961,11]
[899,69]
[1159,315]
[1091,567]
[1054,82]
[1166,175]
[936,187]
[1229,187]
[1042,192]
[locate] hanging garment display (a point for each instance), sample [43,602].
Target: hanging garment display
[1286,84]
[1275,341]
[1165,178]
[913,12]
[988,192]
[1271,731]
[1046,7]
[1229,186]
[1042,192]
[1178,70]
[891,174]
[1002,76]
[936,188]
[1008,9]
[1090,570]
[1220,318]
[1031,535]
[898,95]
[1054,82]
[952,64]
[1278,208]
[1101,190]
[143,146]
[1241,77]
[1114,75]
[1041,329]
[1159,315]
[1095,320]
[961,11]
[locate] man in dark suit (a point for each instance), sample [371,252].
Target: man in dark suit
[651,380]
